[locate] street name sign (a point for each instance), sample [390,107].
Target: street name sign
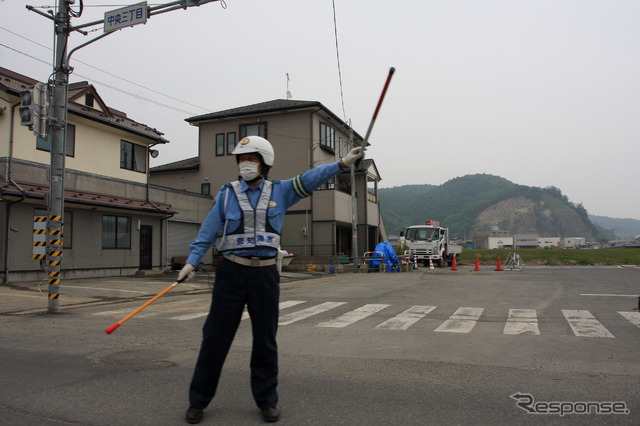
[125,17]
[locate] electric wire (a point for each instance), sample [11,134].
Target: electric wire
[335,31]
[140,97]
[105,72]
[164,105]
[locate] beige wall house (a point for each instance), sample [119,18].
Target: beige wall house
[114,221]
[304,134]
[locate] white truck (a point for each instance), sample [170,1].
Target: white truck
[431,242]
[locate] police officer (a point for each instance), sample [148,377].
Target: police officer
[245,224]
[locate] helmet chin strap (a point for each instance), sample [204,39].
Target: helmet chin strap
[254,180]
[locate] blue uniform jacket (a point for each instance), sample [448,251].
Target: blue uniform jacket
[285,193]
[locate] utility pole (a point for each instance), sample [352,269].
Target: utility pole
[354,207]
[56,172]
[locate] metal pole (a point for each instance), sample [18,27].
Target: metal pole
[354,208]
[56,172]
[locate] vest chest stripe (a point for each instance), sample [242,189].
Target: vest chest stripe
[253,232]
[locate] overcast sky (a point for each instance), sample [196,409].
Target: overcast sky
[542,93]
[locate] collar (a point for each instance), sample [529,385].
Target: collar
[244,186]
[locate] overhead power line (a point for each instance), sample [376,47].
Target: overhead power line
[110,74]
[335,31]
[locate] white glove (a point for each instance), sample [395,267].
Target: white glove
[354,155]
[186,273]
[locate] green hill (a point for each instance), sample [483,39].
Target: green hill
[479,203]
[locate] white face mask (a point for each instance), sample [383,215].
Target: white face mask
[249,170]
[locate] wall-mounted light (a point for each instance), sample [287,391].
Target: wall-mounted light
[154,153]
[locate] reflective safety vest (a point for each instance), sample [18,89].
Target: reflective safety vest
[253,229]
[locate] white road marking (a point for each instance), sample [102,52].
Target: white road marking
[353,316]
[108,289]
[282,305]
[584,324]
[190,316]
[633,317]
[116,313]
[462,321]
[306,313]
[522,321]
[245,314]
[609,295]
[406,319]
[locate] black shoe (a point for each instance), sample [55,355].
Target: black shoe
[271,414]
[194,415]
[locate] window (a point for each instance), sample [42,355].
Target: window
[220,144]
[341,147]
[116,232]
[69,145]
[205,188]
[88,100]
[231,142]
[255,129]
[330,184]
[327,137]
[133,157]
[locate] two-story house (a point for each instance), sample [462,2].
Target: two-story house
[304,134]
[114,221]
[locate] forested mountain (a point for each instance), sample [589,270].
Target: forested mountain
[622,229]
[476,204]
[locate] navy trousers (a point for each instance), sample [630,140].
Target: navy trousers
[237,285]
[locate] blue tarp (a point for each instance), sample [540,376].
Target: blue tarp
[389,254]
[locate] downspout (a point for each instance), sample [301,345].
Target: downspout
[5,278]
[309,227]
[162,257]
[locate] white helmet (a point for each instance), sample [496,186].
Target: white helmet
[256,145]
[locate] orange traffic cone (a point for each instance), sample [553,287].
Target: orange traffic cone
[431,268]
[499,267]
[477,268]
[453,264]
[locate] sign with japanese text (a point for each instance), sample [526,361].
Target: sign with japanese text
[125,17]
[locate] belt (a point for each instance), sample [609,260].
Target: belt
[254,262]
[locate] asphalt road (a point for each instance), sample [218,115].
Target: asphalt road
[426,347]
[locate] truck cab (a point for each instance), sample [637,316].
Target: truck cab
[430,242]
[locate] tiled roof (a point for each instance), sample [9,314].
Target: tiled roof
[31,190]
[15,83]
[178,166]
[263,107]
[274,106]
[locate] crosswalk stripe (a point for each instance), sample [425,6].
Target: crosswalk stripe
[522,321]
[282,305]
[406,319]
[306,313]
[633,317]
[353,316]
[115,313]
[190,316]
[462,321]
[584,324]
[519,321]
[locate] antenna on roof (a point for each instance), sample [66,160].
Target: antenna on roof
[288,92]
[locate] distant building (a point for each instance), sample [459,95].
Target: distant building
[549,242]
[525,241]
[492,241]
